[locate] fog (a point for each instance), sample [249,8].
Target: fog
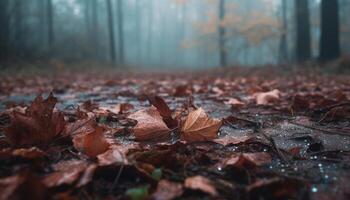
[160,33]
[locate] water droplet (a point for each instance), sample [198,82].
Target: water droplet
[314,189]
[219,168]
[319,165]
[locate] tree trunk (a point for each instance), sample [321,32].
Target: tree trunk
[329,44]
[303,35]
[283,56]
[4,31]
[222,31]
[111,30]
[50,25]
[120,32]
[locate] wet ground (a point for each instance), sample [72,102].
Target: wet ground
[310,150]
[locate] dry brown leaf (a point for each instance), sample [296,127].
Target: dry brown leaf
[167,190]
[163,110]
[22,186]
[234,102]
[150,125]
[247,160]
[263,98]
[231,140]
[91,143]
[39,125]
[69,172]
[200,183]
[115,155]
[199,127]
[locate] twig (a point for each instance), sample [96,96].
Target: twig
[321,130]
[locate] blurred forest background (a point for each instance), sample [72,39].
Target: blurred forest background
[174,33]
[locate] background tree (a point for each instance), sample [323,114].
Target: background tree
[120,31]
[329,45]
[50,24]
[303,35]
[222,31]
[111,30]
[283,54]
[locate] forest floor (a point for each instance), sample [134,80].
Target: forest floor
[217,134]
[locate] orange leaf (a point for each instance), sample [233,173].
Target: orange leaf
[91,143]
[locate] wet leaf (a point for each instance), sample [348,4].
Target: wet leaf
[39,125]
[92,142]
[167,190]
[201,183]
[199,127]
[264,98]
[150,125]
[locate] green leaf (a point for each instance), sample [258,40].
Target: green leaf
[157,174]
[138,193]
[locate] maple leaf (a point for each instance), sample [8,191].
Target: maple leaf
[201,183]
[92,142]
[150,125]
[40,124]
[264,98]
[199,127]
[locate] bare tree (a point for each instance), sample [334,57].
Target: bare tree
[329,44]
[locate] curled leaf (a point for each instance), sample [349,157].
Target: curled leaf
[150,125]
[264,98]
[199,127]
[167,190]
[91,143]
[201,183]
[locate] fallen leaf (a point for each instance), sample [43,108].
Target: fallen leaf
[70,172]
[150,125]
[247,160]
[277,188]
[91,143]
[163,110]
[264,98]
[22,186]
[200,183]
[199,127]
[122,108]
[232,140]
[167,190]
[234,102]
[31,153]
[39,125]
[115,155]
